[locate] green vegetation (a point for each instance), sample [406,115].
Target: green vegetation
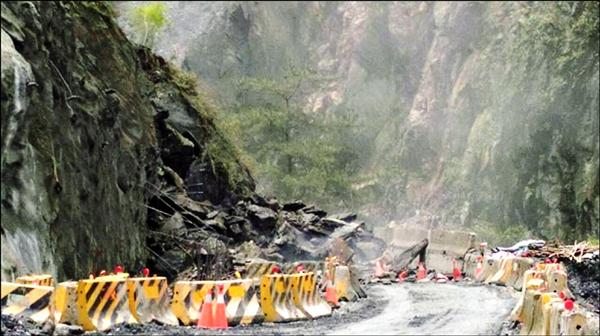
[147,21]
[298,154]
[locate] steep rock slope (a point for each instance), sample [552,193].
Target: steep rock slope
[92,127]
[482,113]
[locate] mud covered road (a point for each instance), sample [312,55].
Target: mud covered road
[437,309]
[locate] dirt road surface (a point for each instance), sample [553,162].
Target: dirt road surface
[437,309]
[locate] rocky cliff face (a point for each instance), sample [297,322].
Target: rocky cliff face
[463,117]
[93,130]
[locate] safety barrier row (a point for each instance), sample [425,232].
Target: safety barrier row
[543,307]
[100,303]
[345,278]
[95,304]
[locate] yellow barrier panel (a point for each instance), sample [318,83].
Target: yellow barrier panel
[255,270]
[27,300]
[557,282]
[277,298]
[520,266]
[102,302]
[65,303]
[241,300]
[573,323]
[188,297]
[343,284]
[504,271]
[308,299]
[149,300]
[36,279]
[490,267]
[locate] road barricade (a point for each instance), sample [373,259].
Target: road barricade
[343,284]
[65,303]
[504,271]
[103,302]
[490,267]
[308,299]
[27,300]
[255,270]
[519,267]
[36,279]
[277,300]
[148,299]
[241,300]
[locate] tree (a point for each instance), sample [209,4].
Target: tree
[298,154]
[147,21]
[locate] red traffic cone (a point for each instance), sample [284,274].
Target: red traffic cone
[220,321]
[146,271]
[422,272]
[102,273]
[379,269]
[118,269]
[275,270]
[330,292]
[91,276]
[402,276]
[205,320]
[455,271]
[479,268]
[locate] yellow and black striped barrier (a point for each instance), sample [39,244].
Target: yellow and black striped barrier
[36,279]
[308,299]
[278,297]
[65,303]
[255,270]
[241,300]
[149,300]
[27,300]
[102,302]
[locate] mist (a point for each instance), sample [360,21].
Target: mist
[465,114]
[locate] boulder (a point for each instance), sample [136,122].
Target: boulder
[264,218]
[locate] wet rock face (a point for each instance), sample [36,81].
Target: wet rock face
[92,129]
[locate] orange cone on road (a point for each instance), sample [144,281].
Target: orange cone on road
[330,292]
[206,312]
[402,276]
[455,271]
[422,272]
[479,268]
[220,321]
[379,268]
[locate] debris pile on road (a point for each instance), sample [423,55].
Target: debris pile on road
[191,239]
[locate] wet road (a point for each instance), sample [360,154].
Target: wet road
[437,309]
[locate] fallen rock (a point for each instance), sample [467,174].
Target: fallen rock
[293,206]
[264,218]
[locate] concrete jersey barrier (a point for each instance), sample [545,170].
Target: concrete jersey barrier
[277,298]
[103,302]
[149,300]
[65,303]
[27,300]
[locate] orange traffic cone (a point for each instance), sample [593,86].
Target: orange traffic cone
[455,271]
[379,269]
[402,276]
[205,320]
[330,292]
[220,321]
[422,272]
[479,268]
